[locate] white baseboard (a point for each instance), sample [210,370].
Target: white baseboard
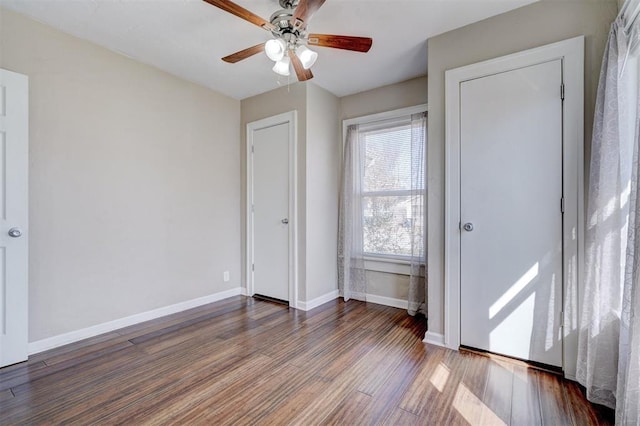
[74,336]
[387,301]
[243,291]
[314,303]
[434,338]
[380,300]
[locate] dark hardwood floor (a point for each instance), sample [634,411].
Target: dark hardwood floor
[245,361]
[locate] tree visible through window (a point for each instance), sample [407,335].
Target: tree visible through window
[389,209]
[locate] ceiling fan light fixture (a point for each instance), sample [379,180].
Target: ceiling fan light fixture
[275,49]
[307,56]
[282,66]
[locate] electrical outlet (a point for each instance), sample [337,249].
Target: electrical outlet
[225,276]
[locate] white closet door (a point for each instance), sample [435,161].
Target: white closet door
[511,190]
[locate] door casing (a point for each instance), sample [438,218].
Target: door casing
[571,52]
[290,118]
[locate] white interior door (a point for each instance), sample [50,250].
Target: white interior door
[510,209]
[271,211]
[13,217]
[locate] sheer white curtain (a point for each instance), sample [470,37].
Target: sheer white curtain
[609,339]
[352,281]
[351,272]
[417,282]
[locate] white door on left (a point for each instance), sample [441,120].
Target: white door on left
[271,211]
[14,148]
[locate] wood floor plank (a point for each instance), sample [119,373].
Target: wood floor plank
[6,394]
[150,326]
[146,398]
[197,322]
[438,405]
[525,399]
[268,392]
[395,346]
[468,405]
[387,397]
[355,409]
[77,348]
[401,417]
[77,385]
[243,362]
[34,398]
[269,309]
[334,345]
[342,386]
[77,370]
[202,401]
[553,405]
[334,366]
[19,373]
[433,375]
[314,387]
[586,414]
[497,393]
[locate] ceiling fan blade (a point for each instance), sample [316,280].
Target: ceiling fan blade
[244,54]
[241,12]
[304,11]
[301,73]
[357,44]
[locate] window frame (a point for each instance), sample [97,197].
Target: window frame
[389,263]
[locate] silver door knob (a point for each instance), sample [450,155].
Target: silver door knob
[468,226]
[15,232]
[285,221]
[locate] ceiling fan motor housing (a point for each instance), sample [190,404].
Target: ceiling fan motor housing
[281,19]
[288,4]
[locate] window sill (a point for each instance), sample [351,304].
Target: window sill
[390,266]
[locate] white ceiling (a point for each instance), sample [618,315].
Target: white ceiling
[188,37]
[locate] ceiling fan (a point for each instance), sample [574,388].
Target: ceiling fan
[290,37]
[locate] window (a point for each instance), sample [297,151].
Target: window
[390,208]
[383,190]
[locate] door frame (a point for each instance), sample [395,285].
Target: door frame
[571,52]
[291,119]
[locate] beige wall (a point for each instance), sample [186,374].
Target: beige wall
[134,189]
[534,25]
[323,181]
[387,98]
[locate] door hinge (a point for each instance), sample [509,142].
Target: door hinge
[253,266]
[252,149]
[562,91]
[460,226]
[562,205]
[253,208]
